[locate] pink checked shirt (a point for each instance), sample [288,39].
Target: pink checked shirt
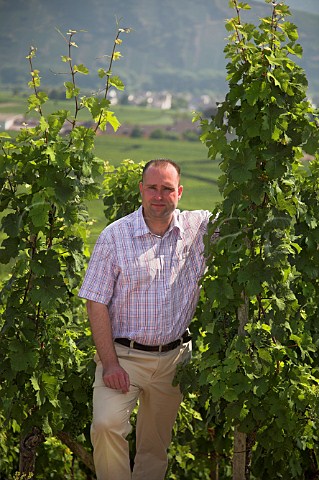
[149,283]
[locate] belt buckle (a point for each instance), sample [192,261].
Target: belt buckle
[160,348]
[132,343]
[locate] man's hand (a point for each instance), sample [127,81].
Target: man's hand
[117,378]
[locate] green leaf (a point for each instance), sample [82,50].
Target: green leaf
[5,135]
[47,429]
[116,82]
[253,91]
[71,90]
[265,355]
[311,146]
[230,395]
[270,77]
[281,305]
[230,25]
[240,174]
[43,124]
[108,117]
[266,327]
[55,121]
[217,390]
[295,50]
[243,6]
[102,73]
[50,386]
[81,69]
[22,356]
[49,261]
[96,106]
[11,224]
[51,153]
[290,30]
[36,100]
[35,383]
[276,133]
[260,389]
[279,61]
[39,210]
[10,249]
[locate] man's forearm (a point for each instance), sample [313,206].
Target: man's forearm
[114,376]
[102,332]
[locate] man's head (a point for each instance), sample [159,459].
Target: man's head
[160,189]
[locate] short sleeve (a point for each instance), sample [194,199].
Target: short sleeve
[100,277]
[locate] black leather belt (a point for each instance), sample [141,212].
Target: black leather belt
[154,348]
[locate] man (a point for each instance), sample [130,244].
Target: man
[141,287]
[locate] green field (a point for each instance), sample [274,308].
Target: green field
[132,115]
[199,174]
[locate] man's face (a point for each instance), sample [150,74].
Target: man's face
[160,192]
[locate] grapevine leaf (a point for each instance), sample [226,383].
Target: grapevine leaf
[116,82]
[10,249]
[22,356]
[81,69]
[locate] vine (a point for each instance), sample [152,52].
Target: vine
[47,177]
[257,374]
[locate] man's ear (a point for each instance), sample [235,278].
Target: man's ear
[180,191]
[141,187]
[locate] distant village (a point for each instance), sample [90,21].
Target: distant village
[183,126]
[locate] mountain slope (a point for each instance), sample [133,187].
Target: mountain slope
[307,6]
[174,44]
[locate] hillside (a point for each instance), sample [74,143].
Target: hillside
[175,44]
[309,6]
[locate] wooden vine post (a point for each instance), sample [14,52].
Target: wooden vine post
[239,463]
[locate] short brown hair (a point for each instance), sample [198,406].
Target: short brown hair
[161,162]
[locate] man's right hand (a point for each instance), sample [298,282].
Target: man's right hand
[117,378]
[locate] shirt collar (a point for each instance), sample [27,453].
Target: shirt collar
[140,227]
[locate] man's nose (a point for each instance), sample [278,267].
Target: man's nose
[158,194]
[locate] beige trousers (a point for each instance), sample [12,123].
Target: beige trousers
[151,376]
